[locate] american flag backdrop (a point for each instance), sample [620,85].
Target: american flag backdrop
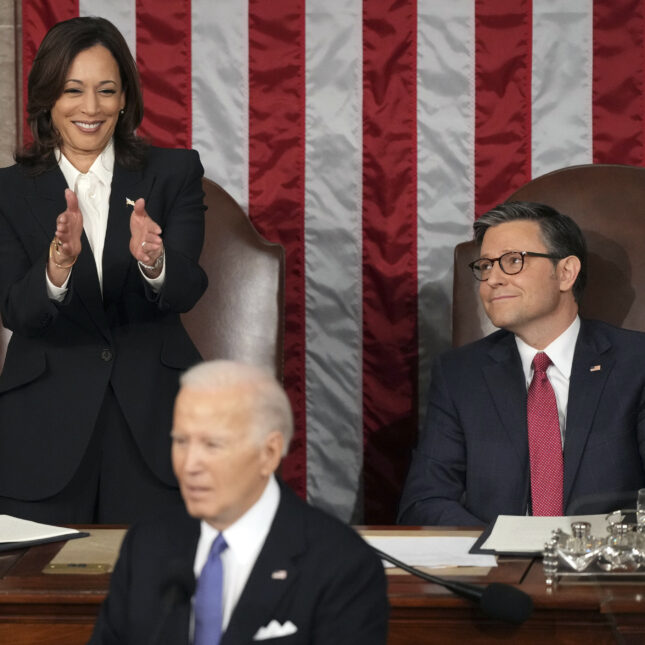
[365,136]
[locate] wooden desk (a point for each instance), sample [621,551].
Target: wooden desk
[50,609]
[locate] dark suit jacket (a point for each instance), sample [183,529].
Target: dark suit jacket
[334,590]
[61,357]
[472,460]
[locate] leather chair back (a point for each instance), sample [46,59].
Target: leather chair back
[608,203]
[241,315]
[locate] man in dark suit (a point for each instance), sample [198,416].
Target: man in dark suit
[478,453]
[289,573]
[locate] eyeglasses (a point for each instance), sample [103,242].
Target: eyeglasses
[510,263]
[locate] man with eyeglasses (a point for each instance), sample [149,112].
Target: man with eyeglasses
[543,416]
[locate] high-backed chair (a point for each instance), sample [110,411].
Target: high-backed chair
[241,314]
[608,203]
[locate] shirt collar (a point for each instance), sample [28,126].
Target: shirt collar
[246,535]
[560,351]
[102,168]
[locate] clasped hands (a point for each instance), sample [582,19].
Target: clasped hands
[146,245]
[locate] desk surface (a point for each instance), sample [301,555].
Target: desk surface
[56,609]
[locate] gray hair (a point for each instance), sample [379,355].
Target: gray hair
[263,397]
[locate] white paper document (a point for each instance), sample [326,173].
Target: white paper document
[430,551]
[13,529]
[527,534]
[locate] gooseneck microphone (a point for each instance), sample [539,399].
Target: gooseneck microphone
[178,587]
[496,600]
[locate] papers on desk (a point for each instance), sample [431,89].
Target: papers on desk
[430,551]
[16,533]
[524,534]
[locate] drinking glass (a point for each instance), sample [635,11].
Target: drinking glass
[640,507]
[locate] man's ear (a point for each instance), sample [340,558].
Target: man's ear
[567,271]
[272,452]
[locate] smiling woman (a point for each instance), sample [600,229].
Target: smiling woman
[87,111]
[100,236]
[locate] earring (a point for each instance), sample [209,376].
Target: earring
[122,111]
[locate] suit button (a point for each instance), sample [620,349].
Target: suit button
[106,355]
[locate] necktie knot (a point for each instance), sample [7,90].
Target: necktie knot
[219,545]
[540,362]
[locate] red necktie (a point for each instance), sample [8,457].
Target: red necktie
[545,443]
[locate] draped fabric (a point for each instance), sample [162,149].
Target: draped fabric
[366,137]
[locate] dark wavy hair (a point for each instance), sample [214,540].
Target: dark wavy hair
[561,235]
[60,46]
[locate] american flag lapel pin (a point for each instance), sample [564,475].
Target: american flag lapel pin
[280,574]
[594,368]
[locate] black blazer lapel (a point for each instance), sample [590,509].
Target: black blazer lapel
[592,364]
[274,573]
[45,195]
[506,384]
[47,201]
[116,252]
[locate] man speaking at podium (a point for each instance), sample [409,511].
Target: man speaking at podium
[543,414]
[268,566]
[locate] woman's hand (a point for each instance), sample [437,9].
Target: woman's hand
[146,244]
[66,245]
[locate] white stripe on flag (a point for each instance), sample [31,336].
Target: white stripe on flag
[121,13]
[333,277]
[445,163]
[561,84]
[221,93]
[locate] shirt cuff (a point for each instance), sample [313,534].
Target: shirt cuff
[57,293]
[155,283]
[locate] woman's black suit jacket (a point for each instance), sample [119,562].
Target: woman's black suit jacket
[62,356]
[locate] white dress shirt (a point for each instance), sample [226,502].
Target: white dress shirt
[560,351]
[245,539]
[92,190]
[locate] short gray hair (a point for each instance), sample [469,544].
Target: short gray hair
[264,398]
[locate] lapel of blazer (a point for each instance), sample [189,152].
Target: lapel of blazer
[179,560]
[506,384]
[47,201]
[263,591]
[130,184]
[585,390]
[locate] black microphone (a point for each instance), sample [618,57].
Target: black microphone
[178,586]
[497,600]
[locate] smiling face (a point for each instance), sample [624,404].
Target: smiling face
[86,113]
[221,463]
[536,304]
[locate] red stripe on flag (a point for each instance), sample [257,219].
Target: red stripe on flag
[164,62]
[38,17]
[276,181]
[618,110]
[503,50]
[389,252]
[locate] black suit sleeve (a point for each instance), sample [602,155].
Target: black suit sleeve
[24,303]
[353,608]
[183,238]
[436,482]
[111,625]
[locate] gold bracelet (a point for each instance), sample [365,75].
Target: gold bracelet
[54,246]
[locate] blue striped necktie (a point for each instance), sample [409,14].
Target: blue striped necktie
[208,602]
